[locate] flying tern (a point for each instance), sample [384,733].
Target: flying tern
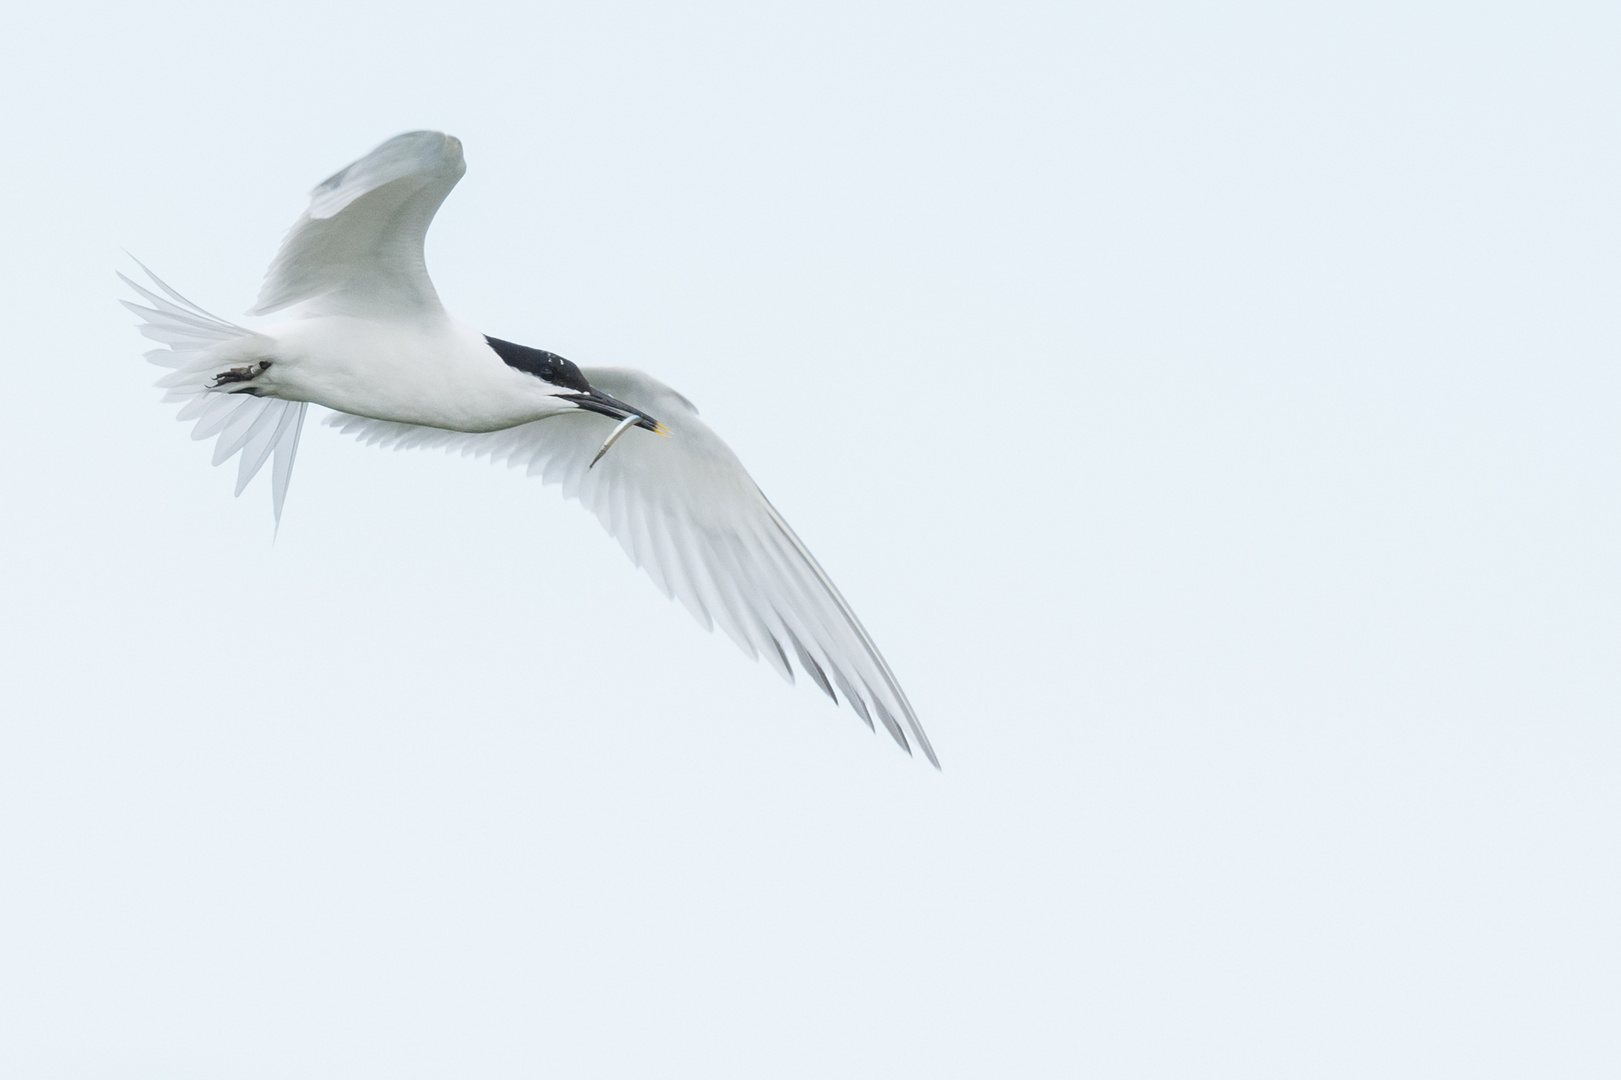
[366,336]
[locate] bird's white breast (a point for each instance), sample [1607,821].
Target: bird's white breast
[436,372]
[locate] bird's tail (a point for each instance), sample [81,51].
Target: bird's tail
[257,428]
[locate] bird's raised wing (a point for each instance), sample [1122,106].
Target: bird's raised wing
[684,510]
[358,249]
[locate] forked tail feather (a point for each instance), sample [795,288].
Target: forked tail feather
[197,344]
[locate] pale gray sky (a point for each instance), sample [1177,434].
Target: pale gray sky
[1212,412]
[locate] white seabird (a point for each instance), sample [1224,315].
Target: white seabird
[367,337]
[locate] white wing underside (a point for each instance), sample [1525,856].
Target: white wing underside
[684,510]
[358,249]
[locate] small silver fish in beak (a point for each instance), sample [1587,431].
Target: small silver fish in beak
[613,436]
[594,400]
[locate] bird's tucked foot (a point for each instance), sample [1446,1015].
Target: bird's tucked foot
[244,374]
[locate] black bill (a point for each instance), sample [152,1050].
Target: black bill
[598,402]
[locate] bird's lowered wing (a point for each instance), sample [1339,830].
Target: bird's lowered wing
[358,249]
[684,510]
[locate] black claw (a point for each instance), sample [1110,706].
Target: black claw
[240,374]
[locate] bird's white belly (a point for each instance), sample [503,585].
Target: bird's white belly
[439,373]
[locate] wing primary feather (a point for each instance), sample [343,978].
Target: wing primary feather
[622,529]
[800,599]
[779,658]
[857,702]
[889,722]
[764,606]
[647,547]
[669,556]
[891,684]
[642,536]
[813,669]
[723,603]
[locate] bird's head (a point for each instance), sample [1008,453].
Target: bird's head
[569,383]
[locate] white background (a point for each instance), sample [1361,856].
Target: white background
[1211,410]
